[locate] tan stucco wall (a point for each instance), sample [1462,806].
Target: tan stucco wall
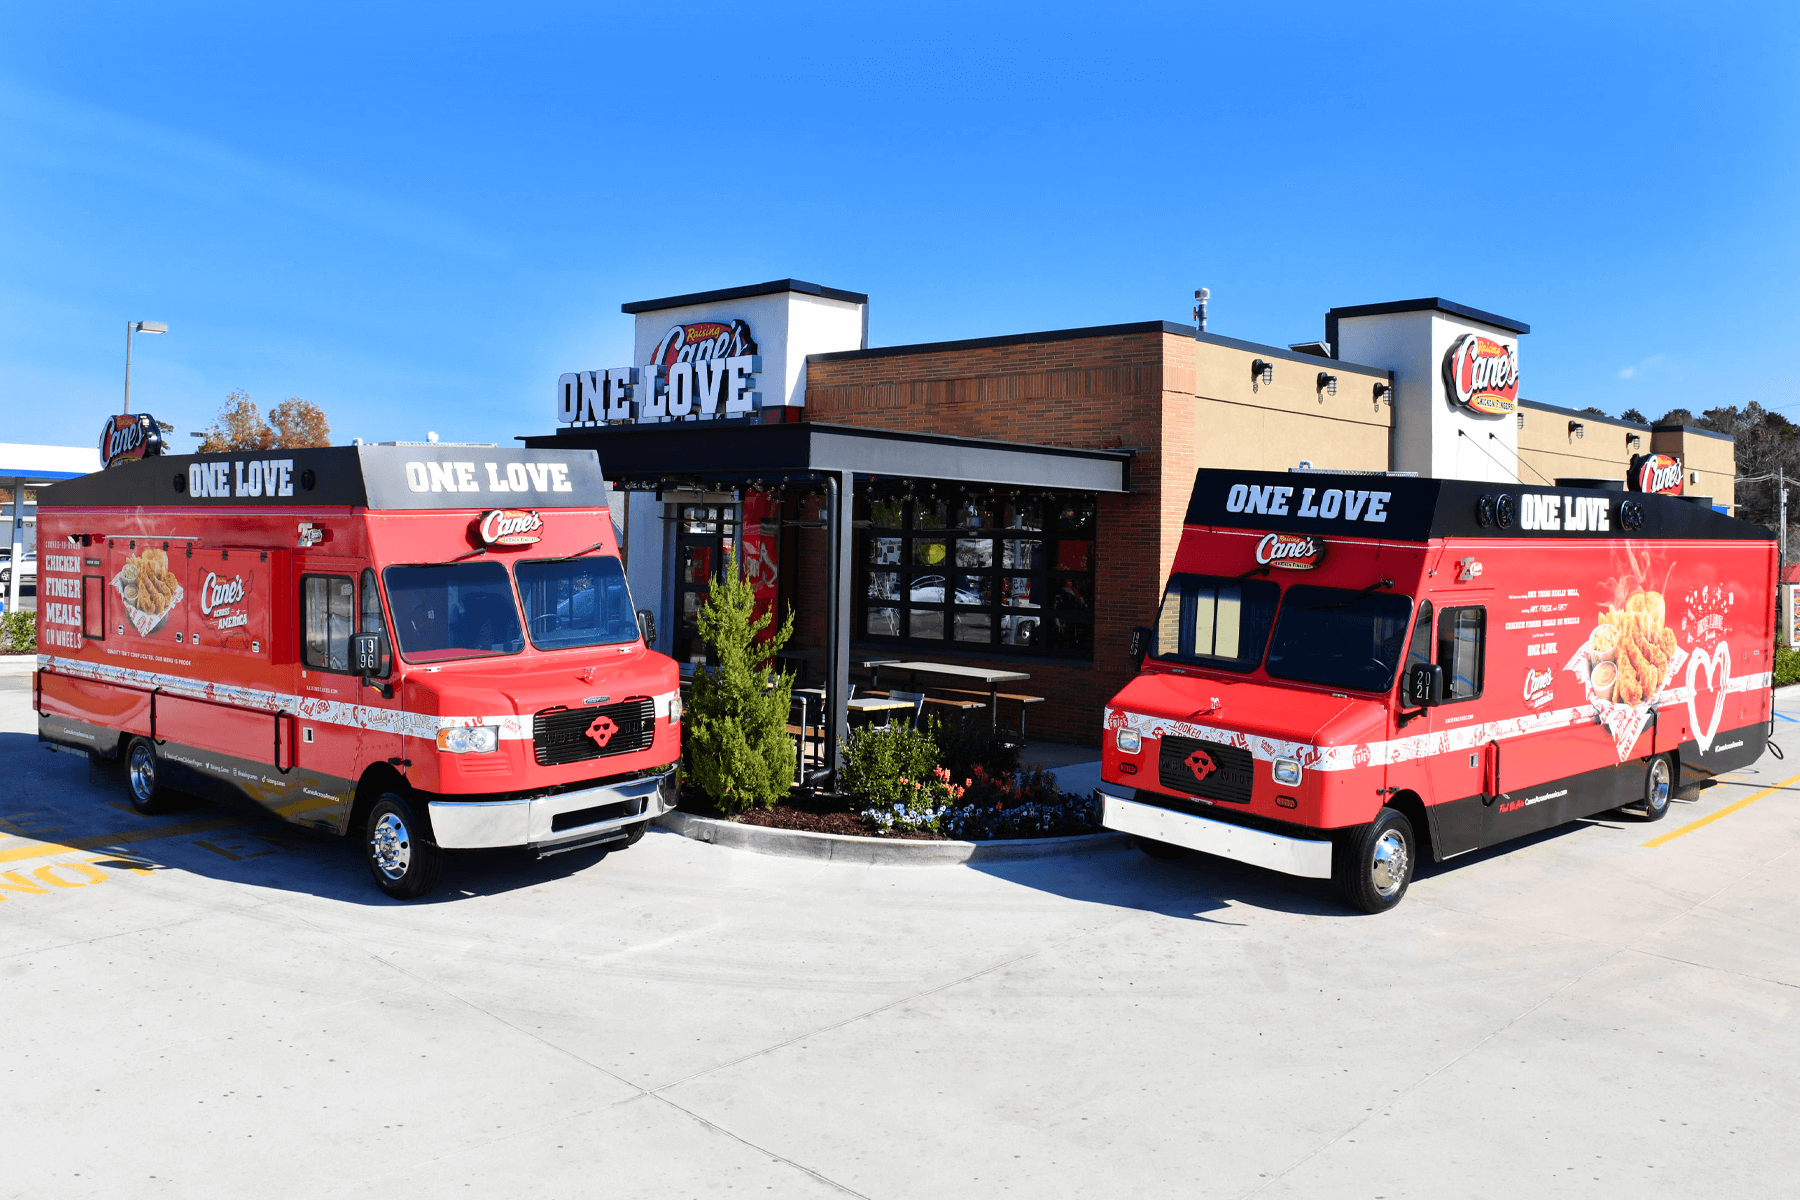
[1548,451]
[1712,458]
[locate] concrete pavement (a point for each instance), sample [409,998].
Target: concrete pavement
[223,1005]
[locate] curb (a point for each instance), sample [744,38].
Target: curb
[17,664]
[896,852]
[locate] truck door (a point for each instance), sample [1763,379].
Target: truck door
[1454,765]
[342,726]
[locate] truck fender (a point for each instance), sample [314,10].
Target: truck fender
[377,780]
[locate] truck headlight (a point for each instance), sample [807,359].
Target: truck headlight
[675,708]
[478,739]
[1129,741]
[1287,771]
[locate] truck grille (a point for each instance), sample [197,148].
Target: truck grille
[1195,768]
[560,735]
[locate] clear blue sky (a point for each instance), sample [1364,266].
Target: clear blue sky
[418,218]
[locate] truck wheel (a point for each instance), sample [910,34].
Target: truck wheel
[143,779]
[1659,782]
[636,835]
[1374,865]
[1156,849]
[403,860]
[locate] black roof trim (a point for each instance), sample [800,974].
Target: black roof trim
[1540,406]
[1420,509]
[1425,304]
[770,288]
[1011,339]
[1692,430]
[1094,331]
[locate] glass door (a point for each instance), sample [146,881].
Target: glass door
[705,535]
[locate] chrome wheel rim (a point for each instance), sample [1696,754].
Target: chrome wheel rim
[143,772]
[1387,866]
[390,846]
[1657,795]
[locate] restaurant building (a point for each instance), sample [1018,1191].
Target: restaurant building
[1015,502]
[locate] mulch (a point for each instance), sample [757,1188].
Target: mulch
[820,817]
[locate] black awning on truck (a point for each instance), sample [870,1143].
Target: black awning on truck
[418,476]
[1408,509]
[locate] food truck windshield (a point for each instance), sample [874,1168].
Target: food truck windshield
[467,610]
[1332,637]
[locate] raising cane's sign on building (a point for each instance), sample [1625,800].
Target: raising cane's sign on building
[1656,473]
[1482,375]
[699,371]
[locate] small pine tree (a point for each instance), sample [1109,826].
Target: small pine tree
[739,752]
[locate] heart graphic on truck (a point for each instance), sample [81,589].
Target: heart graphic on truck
[1201,764]
[602,730]
[1718,678]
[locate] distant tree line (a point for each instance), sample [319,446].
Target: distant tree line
[294,424]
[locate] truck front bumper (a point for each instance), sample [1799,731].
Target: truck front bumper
[1294,856]
[547,824]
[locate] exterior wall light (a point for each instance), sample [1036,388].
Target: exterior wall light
[1577,429]
[1262,372]
[1632,439]
[1384,391]
[1328,383]
[1521,420]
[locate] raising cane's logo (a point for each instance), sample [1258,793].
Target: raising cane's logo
[129,437]
[1482,375]
[1656,473]
[703,340]
[1290,551]
[1201,764]
[509,527]
[1540,688]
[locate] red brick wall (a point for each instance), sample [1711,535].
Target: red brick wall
[1100,393]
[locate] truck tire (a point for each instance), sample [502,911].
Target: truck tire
[143,779]
[1659,785]
[404,860]
[1373,866]
[1156,849]
[632,839]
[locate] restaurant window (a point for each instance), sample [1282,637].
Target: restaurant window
[999,571]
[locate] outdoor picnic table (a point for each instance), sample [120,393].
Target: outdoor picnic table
[992,678]
[876,704]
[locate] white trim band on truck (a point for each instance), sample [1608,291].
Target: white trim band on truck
[1293,856]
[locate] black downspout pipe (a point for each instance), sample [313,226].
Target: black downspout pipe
[839,496]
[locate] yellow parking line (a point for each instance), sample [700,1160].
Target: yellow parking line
[1670,836]
[109,840]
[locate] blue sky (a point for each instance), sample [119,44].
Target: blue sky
[417,217]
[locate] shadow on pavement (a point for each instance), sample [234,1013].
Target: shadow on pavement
[62,799]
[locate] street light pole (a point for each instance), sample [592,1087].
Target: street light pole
[132,327]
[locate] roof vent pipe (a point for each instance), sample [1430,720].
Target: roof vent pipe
[1201,296]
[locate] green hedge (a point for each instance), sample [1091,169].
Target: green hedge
[18,633]
[1787,666]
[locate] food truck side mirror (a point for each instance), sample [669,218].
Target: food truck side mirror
[1425,684]
[647,627]
[365,660]
[1140,645]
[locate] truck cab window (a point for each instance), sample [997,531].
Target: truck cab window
[453,610]
[1461,649]
[1418,651]
[573,602]
[1339,637]
[327,618]
[1216,621]
[373,621]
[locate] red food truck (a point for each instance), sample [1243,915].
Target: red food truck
[429,647]
[1350,670]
